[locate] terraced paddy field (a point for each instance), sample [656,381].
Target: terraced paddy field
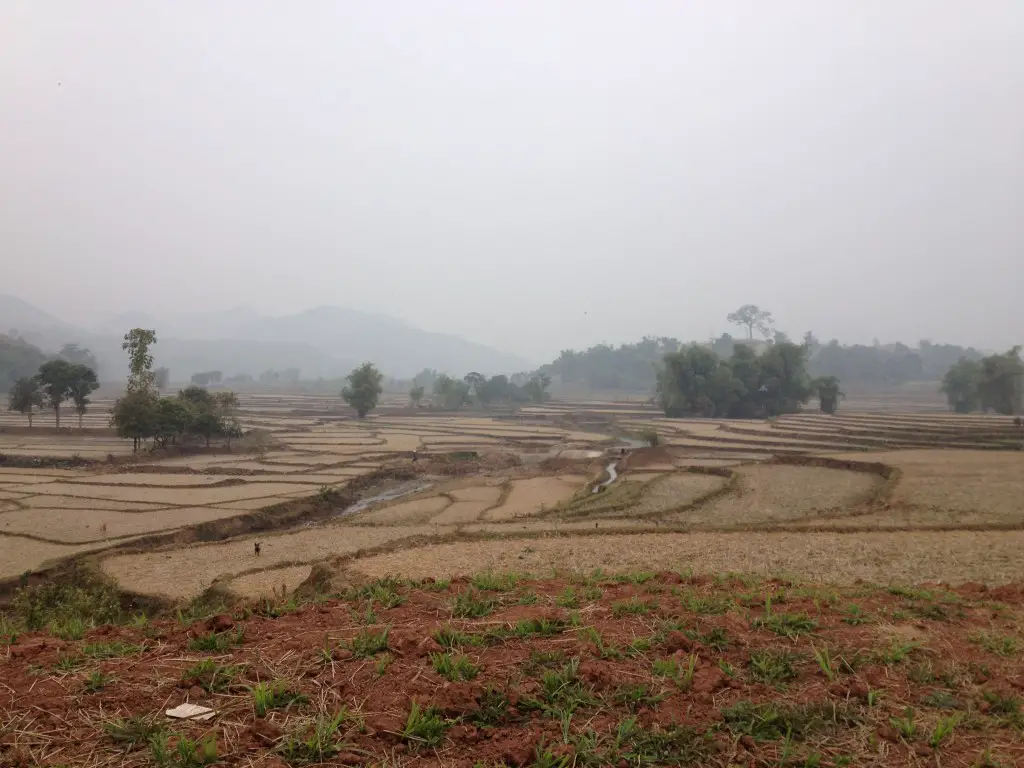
[526,478]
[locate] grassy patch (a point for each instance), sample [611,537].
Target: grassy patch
[1001,645]
[454,667]
[632,607]
[275,695]
[771,721]
[676,670]
[211,676]
[673,746]
[542,627]
[111,650]
[424,727]
[774,666]
[470,605]
[495,708]
[789,625]
[568,598]
[369,642]
[216,642]
[633,697]
[97,681]
[314,742]
[489,581]
[449,638]
[187,752]
[132,732]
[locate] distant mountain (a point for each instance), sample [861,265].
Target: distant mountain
[322,342]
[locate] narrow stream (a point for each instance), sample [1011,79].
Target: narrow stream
[406,489]
[612,474]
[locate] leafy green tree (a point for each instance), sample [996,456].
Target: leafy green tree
[784,381]
[827,388]
[204,418]
[474,381]
[753,318]
[1000,382]
[537,388]
[24,397]
[226,406]
[415,395]
[364,388]
[453,393]
[171,420]
[136,416]
[83,385]
[80,355]
[960,385]
[140,362]
[56,379]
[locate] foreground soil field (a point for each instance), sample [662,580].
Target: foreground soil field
[641,669]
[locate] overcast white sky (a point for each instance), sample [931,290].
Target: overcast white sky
[534,175]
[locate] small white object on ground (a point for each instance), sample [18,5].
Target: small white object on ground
[190,712]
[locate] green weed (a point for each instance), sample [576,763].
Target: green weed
[424,727]
[454,667]
[632,607]
[132,731]
[275,695]
[111,650]
[469,605]
[211,676]
[369,643]
[314,742]
[489,581]
[216,642]
[772,666]
[97,681]
[905,725]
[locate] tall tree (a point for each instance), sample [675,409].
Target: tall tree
[226,404]
[364,388]
[415,395]
[537,387]
[136,416]
[80,355]
[82,385]
[829,393]
[56,378]
[960,385]
[753,318]
[24,397]
[1001,381]
[474,380]
[140,362]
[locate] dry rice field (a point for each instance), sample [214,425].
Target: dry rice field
[712,498]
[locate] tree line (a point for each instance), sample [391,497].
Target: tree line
[194,413]
[696,381]
[55,383]
[992,383]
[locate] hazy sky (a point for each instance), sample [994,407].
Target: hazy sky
[534,174]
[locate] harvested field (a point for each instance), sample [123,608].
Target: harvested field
[681,673]
[19,555]
[182,573]
[195,497]
[460,512]
[75,502]
[530,497]
[274,582]
[73,526]
[404,512]
[910,558]
[768,493]
[988,483]
[670,492]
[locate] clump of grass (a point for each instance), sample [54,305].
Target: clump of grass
[216,642]
[855,615]
[540,627]
[132,731]
[772,666]
[97,681]
[469,605]
[1001,645]
[70,629]
[369,643]
[563,690]
[528,598]
[424,727]
[675,745]
[633,697]
[771,721]
[636,577]
[905,726]
[789,625]
[825,663]
[897,652]
[568,598]
[275,695]
[67,663]
[494,708]
[604,650]
[454,667]
[211,676]
[70,606]
[188,752]
[314,742]
[706,605]
[383,592]
[449,638]
[489,581]
[111,650]
[632,607]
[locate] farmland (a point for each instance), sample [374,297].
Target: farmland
[803,512]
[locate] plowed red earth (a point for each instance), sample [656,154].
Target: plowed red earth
[595,672]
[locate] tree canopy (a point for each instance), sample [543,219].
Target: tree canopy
[993,383]
[60,380]
[753,318]
[25,397]
[140,362]
[363,389]
[697,382]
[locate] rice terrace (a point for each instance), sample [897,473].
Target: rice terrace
[573,583]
